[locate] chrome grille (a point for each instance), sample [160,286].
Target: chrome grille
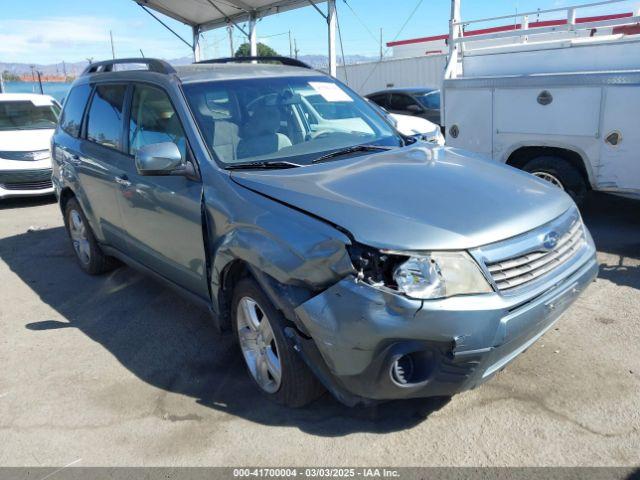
[41,185]
[518,271]
[29,156]
[25,176]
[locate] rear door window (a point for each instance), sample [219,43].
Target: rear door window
[401,102]
[71,119]
[104,124]
[380,100]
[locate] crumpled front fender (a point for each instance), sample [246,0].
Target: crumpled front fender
[290,247]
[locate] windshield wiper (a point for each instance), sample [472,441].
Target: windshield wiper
[348,150]
[261,164]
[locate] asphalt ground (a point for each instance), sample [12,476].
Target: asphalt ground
[119,370]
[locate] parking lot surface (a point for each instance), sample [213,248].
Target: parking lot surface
[119,370]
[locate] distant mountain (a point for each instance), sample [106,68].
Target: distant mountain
[55,69]
[75,68]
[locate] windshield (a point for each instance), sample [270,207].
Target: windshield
[296,119]
[430,100]
[24,115]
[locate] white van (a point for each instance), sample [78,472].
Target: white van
[27,122]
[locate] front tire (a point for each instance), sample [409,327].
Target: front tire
[560,173]
[84,243]
[277,370]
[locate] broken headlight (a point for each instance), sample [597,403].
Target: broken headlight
[423,276]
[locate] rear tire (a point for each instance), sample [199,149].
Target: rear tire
[85,246]
[274,366]
[560,173]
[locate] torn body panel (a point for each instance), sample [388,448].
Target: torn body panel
[277,242]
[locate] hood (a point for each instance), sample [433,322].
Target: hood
[416,198]
[409,125]
[25,140]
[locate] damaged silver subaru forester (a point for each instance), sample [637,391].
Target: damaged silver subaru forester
[339,253]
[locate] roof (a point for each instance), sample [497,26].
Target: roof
[506,28]
[204,72]
[210,14]
[201,72]
[414,90]
[17,97]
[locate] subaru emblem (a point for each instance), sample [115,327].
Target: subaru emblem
[550,240]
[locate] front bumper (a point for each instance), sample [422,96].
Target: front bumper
[353,333]
[26,182]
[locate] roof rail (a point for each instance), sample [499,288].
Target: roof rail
[153,64]
[291,62]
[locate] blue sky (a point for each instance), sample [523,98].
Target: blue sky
[45,31]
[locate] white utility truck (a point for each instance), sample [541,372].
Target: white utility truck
[561,100]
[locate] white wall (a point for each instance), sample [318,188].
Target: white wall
[364,78]
[419,49]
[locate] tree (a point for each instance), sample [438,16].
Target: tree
[244,50]
[10,76]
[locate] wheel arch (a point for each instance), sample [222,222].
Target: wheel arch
[285,297]
[66,194]
[521,155]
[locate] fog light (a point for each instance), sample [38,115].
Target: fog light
[402,370]
[413,369]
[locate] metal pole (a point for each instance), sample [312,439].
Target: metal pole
[452,68]
[230,32]
[113,51]
[197,53]
[295,48]
[290,45]
[381,52]
[253,37]
[331,27]
[454,33]
[571,18]
[40,83]
[1,83]
[525,26]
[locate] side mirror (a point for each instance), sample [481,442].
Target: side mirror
[414,108]
[160,159]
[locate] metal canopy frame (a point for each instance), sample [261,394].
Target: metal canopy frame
[205,15]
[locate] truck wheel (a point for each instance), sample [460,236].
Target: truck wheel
[272,363]
[561,173]
[85,246]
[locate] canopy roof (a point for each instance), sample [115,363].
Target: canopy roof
[209,14]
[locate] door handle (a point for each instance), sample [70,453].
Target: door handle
[123,181]
[74,159]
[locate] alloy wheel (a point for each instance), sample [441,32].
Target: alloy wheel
[258,345]
[78,232]
[548,177]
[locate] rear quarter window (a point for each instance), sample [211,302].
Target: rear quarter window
[105,117]
[71,118]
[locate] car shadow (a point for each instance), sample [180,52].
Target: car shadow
[25,202]
[170,344]
[614,223]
